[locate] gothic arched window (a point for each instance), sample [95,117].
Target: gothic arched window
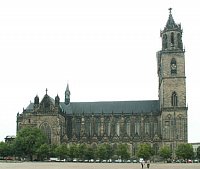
[180,127]
[106,126]
[88,126]
[180,46]
[117,128]
[78,126]
[109,128]
[155,127]
[167,126]
[164,41]
[137,127]
[172,39]
[128,127]
[97,126]
[156,148]
[173,66]
[47,131]
[174,99]
[147,127]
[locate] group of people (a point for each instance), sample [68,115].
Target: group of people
[143,163]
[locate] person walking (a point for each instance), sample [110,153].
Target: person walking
[148,163]
[142,163]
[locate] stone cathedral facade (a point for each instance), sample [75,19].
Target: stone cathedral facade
[157,122]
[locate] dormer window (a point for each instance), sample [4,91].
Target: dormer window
[173,66]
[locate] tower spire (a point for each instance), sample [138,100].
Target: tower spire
[172,35]
[67,95]
[67,87]
[170,22]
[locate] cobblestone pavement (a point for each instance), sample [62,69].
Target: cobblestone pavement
[60,165]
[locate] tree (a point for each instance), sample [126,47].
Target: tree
[43,151]
[165,152]
[82,149]
[109,150]
[28,141]
[184,151]
[90,153]
[73,151]
[198,152]
[104,151]
[3,149]
[52,150]
[62,151]
[123,152]
[6,149]
[145,151]
[101,152]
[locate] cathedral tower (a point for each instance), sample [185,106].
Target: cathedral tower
[172,85]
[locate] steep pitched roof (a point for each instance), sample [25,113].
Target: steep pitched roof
[171,24]
[108,107]
[46,97]
[30,106]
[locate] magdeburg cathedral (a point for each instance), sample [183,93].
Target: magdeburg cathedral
[157,122]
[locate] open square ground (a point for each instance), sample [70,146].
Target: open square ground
[66,165]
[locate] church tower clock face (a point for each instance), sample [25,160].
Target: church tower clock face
[173,66]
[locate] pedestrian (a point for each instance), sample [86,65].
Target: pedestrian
[148,163]
[142,163]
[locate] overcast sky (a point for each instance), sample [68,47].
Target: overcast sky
[105,50]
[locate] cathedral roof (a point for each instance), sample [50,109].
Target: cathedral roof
[30,106]
[46,97]
[108,107]
[116,107]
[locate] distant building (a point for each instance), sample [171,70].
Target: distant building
[195,146]
[158,122]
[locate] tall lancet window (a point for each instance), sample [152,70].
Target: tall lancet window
[164,41]
[180,46]
[172,39]
[118,129]
[128,127]
[47,131]
[174,99]
[137,128]
[173,66]
[180,127]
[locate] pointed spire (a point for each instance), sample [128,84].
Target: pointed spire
[57,97]
[67,90]
[170,22]
[57,100]
[67,95]
[36,100]
[171,35]
[67,87]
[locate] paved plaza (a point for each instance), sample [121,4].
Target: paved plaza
[65,165]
